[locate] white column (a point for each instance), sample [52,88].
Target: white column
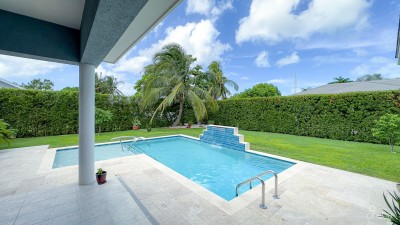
[86,124]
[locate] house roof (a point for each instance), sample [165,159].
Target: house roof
[77,31]
[337,88]
[7,84]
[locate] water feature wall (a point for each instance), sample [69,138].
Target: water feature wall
[228,137]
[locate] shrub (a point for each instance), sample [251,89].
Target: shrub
[387,128]
[102,116]
[5,132]
[36,113]
[347,117]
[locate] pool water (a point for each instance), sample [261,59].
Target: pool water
[216,168]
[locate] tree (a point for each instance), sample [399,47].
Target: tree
[38,84]
[70,89]
[107,85]
[102,116]
[219,82]
[173,83]
[148,75]
[369,77]
[387,128]
[341,79]
[259,90]
[5,133]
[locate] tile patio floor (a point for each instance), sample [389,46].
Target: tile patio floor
[142,191]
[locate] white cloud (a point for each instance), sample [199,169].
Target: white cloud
[245,78]
[291,59]
[133,65]
[199,6]
[210,8]
[198,39]
[262,60]
[373,41]
[11,66]
[274,20]
[278,81]
[386,66]
[337,58]
[360,52]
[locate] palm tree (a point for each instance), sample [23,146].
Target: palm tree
[174,84]
[219,81]
[341,79]
[107,85]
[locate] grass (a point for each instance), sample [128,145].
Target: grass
[72,139]
[364,158]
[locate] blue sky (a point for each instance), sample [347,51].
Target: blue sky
[257,41]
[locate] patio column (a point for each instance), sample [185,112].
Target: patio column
[86,123]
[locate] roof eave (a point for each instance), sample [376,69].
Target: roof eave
[148,18]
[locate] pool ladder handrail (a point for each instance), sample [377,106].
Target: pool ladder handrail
[134,139]
[258,177]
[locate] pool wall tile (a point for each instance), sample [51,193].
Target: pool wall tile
[228,137]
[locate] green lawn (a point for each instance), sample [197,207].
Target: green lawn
[369,159]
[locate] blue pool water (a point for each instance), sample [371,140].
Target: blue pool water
[216,168]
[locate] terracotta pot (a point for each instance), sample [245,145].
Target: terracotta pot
[101,178]
[135,127]
[188,126]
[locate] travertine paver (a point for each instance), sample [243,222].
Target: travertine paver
[309,194]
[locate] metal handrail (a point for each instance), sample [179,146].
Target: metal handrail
[134,139]
[258,177]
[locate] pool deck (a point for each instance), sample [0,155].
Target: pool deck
[140,190]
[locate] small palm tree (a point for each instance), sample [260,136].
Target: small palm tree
[219,81]
[174,84]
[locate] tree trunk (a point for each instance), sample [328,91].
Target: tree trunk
[391,143]
[178,120]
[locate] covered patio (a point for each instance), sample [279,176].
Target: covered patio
[82,33]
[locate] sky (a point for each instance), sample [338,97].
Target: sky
[291,43]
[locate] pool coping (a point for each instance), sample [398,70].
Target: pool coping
[229,207]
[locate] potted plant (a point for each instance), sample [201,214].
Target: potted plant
[211,122]
[135,123]
[394,207]
[101,176]
[189,124]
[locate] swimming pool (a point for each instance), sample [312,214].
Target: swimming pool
[216,168]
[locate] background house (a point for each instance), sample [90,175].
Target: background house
[6,84]
[338,88]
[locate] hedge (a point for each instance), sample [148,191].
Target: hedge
[43,113]
[344,117]
[347,117]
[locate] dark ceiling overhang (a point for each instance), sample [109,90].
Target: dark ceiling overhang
[108,29]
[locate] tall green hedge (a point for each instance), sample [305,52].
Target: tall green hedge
[43,113]
[342,116]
